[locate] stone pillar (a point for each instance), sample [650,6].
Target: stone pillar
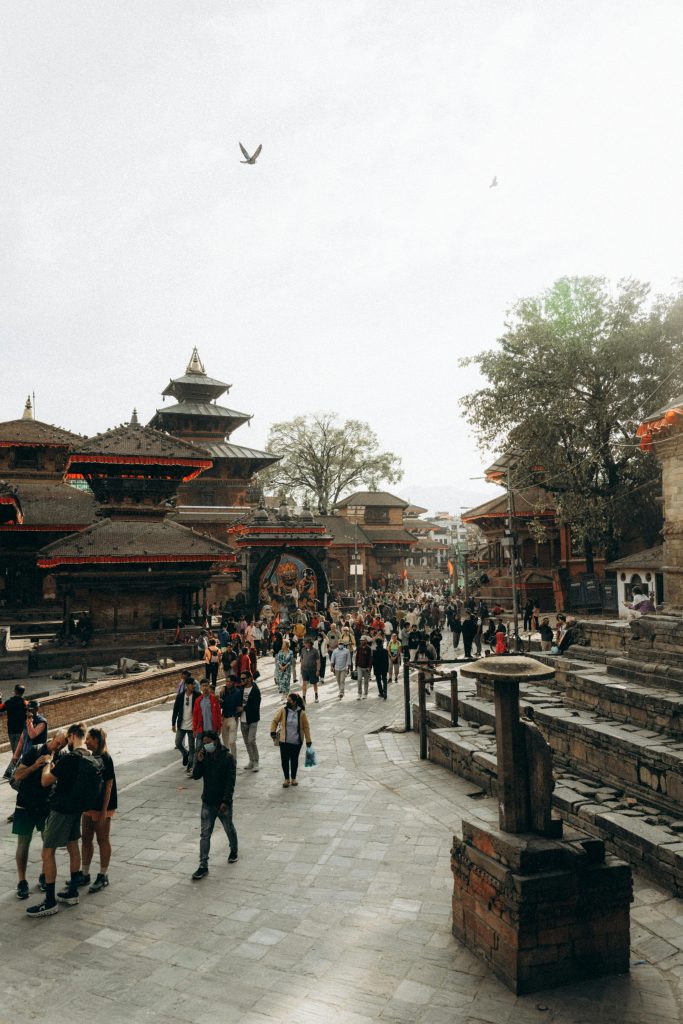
[669,452]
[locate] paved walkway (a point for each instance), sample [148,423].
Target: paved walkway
[338,909]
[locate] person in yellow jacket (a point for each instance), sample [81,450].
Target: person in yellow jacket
[289,728]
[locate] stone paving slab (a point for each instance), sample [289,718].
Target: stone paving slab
[337,910]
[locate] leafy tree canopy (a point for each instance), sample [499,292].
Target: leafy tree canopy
[574,373]
[322,459]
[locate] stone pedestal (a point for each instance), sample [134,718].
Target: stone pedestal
[540,912]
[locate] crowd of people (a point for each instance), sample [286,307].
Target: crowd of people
[66,784]
[66,792]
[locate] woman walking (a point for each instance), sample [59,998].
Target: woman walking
[290,728]
[97,822]
[283,668]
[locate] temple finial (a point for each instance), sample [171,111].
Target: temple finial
[195,364]
[134,422]
[28,410]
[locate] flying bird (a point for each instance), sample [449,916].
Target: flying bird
[492,185]
[249,159]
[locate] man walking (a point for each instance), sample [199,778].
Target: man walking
[380,666]
[206,714]
[340,662]
[310,668]
[250,718]
[181,722]
[216,766]
[363,666]
[231,709]
[77,781]
[15,709]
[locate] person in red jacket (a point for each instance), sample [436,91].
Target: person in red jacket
[206,714]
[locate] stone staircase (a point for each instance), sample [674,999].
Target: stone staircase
[616,730]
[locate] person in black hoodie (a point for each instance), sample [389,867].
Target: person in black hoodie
[216,766]
[250,718]
[380,666]
[469,630]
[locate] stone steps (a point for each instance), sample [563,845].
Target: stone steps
[650,841]
[645,762]
[596,688]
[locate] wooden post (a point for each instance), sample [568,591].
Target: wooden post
[406,689]
[422,700]
[454,697]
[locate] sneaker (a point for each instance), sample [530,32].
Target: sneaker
[255,768]
[285,784]
[83,880]
[188,771]
[233,857]
[101,882]
[359,697]
[248,767]
[295,782]
[316,700]
[185,760]
[69,896]
[42,910]
[22,890]
[201,872]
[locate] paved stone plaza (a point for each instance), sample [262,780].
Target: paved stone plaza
[338,909]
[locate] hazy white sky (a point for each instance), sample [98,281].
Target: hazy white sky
[364,253]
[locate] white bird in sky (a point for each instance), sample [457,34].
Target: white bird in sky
[492,185]
[249,159]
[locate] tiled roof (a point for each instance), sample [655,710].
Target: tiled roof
[202,409]
[651,558]
[343,531]
[33,432]
[48,503]
[141,442]
[131,540]
[388,535]
[381,499]
[528,503]
[225,450]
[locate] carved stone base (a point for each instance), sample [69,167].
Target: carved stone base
[540,912]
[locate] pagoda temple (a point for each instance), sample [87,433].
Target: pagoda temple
[215,500]
[135,569]
[36,505]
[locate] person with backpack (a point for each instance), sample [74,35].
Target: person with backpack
[213,657]
[97,820]
[32,806]
[77,777]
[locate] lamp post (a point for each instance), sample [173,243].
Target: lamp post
[355,511]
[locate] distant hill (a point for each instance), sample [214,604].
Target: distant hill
[447,498]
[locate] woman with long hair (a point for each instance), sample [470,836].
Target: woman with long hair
[284,661]
[97,821]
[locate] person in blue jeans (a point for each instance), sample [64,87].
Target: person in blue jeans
[216,766]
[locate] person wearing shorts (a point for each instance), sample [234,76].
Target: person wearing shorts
[96,823]
[32,808]
[63,826]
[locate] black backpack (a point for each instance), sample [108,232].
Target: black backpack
[88,789]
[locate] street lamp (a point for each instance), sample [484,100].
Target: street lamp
[355,511]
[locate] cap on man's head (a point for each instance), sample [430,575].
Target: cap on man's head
[33,705]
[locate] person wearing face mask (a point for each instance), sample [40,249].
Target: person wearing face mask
[206,714]
[32,803]
[289,728]
[216,767]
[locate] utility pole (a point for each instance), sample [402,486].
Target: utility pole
[513,553]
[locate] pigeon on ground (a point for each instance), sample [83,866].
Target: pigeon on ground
[492,185]
[249,159]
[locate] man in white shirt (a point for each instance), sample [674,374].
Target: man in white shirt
[181,722]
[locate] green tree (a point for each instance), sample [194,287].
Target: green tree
[322,459]
[575,371]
